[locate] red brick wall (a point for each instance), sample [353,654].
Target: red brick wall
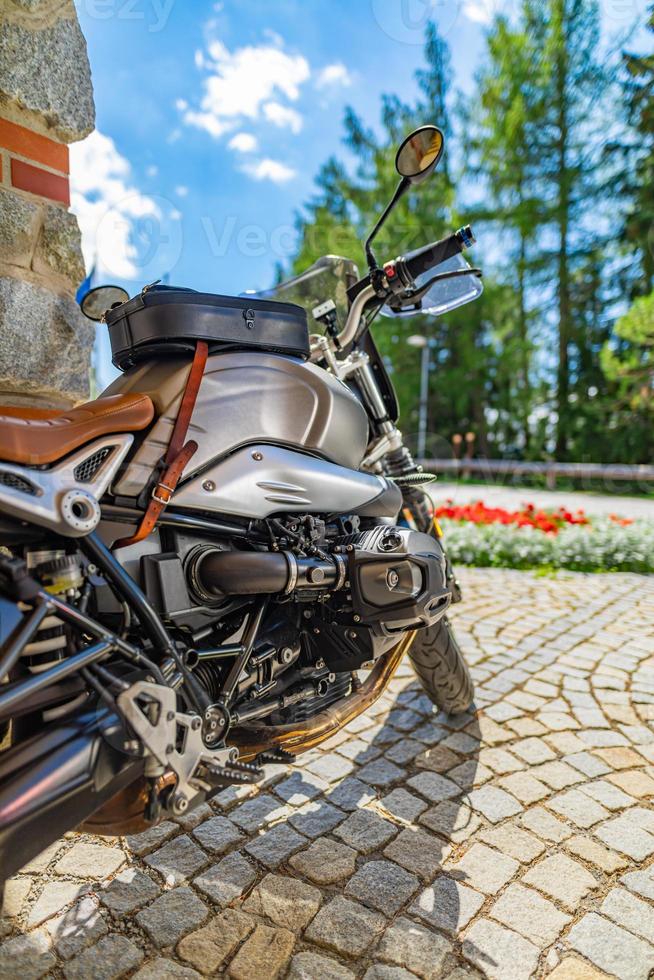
[33,163]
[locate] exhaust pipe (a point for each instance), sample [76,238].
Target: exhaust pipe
[55,781]
[213,573]
[252,740]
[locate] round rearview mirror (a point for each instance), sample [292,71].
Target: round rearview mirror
[419,153]
[97,301]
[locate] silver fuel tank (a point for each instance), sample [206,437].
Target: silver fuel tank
[245,398]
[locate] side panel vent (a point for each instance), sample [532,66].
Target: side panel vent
[16,482]
[86,470]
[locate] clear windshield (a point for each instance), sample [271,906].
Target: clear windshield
[447,294]
[328,278]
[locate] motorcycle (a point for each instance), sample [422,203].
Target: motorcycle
[222,560]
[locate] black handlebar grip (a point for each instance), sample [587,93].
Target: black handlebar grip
[439,251]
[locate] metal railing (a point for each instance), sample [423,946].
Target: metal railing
[488,468]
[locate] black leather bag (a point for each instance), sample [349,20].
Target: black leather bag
[165,320]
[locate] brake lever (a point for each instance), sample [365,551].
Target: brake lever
[414,297]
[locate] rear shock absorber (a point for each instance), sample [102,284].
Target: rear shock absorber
[61,576]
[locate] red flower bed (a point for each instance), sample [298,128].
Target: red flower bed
[549,522]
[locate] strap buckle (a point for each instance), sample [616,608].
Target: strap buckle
[162,500]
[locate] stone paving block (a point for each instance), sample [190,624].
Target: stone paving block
[557,775]
[411,946]
[543,824]
[325,862]
[439,758]
[346,927]
[404,805]
[171,916]
[620,757]
[501,761]
[587,763]
[484,869]
[112,957]
[208,948]
[316,818]
[331,767]
[276,845]
[623,835]
[26,957]
[577,807]
[500,953]
[381,773]
[402,752]
[433,786]
[561,878]
[608,794]
[526,912]
[380,971]
[366,831]
[418,852]
[633,782]
[218,835]
[285,901]
[193,818]
[382,885]
[511,840]
[640,882]
[141,844]
[15,895]
[88,860]
[525,787]
[447,904]
[495,804]
[470,774]
[611,948]
[312,966]
[54,897]
[227,880]
[629,912]
[533,751]
[595,853]
[128,891]
[165,969]
[572,968]
[454,821]
[76,929]
[351,794]
[301,787]
[178,860]
[258,812]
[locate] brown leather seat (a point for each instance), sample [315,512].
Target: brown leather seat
[43,436]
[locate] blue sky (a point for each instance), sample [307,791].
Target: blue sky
[213,119]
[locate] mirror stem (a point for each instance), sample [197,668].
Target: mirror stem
[400,190]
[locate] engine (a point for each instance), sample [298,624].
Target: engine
[334,598]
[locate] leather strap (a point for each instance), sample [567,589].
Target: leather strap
[177,454]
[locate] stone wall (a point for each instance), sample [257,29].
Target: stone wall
[46,102]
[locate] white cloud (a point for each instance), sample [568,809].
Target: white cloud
[240,83]
[336,74]
[480,11]
[243,143]
[268,169]
[283,116]
[152,170]
[124,232]
[181,190]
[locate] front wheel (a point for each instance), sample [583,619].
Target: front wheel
[438,661]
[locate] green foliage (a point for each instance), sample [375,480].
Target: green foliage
[604,547]
[533,367]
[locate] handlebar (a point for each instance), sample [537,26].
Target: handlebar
[406,269]
[438,252]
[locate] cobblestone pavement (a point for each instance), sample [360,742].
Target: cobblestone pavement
[515,843]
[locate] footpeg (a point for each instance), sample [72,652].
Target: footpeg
[278,756]
[235,772]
